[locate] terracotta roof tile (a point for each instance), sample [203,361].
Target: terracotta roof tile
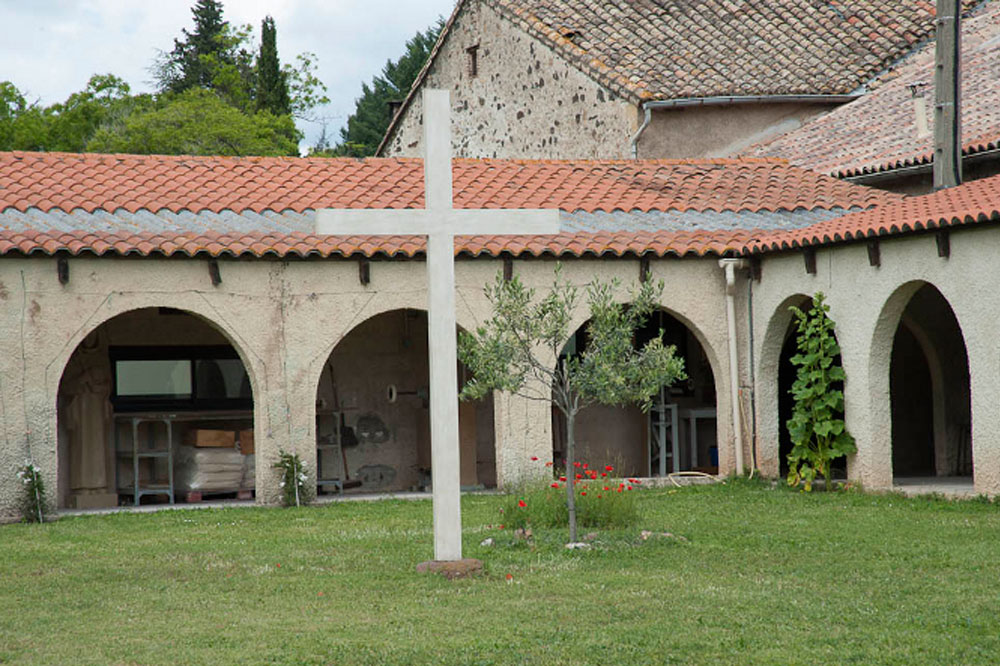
[878,132]
[972,203]
[90,182]
[103,184]
[664,49]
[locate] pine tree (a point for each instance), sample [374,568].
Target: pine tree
[186,66]
[371,117]
[272,86]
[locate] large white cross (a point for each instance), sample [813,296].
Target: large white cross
[440,222]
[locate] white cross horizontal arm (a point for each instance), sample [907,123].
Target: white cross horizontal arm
[420,221]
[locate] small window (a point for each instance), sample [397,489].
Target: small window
[178,379]
[153,379]
[472,55]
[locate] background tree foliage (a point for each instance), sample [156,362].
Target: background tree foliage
[370,120]
[518,350]
[217,95]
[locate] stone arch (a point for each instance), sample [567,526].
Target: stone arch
[697,448]
[919,377]
[771,384]
[366,435]
[88,403]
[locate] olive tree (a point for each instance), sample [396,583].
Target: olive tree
[517,349]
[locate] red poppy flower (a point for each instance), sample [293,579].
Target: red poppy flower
[600,496]
[562,478]
[521,503]
[510,576]
[548,464]
[579,476]
[609,468]
[585,465]
[576,464]
[555,485]
[606,488]
[584,492]
[630,487]
[604,473]
[619,490]
[499,527]
[534,457]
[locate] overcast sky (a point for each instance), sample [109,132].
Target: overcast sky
[50,48]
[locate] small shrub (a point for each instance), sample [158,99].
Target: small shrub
[31,503]
[602,501]
[295,489]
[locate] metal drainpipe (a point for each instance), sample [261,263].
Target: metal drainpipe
[645,123]
[730,266]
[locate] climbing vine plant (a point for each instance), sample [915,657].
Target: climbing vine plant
[818,433]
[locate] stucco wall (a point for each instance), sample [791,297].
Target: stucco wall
[720,131]
[284,318]
[867,303]
[525,100]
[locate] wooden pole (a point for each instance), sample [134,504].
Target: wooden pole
[947,90]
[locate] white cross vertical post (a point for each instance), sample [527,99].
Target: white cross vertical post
[440,222]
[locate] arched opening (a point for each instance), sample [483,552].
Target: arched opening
[154,405]
[677,434]
[373,418]
[787,374]
[929,391]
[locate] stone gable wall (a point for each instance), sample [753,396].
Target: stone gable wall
[525,101]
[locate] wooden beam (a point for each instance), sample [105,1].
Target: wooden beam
[508,268]
[62,270]
[214,273]
[809,255]
[943,238]
[643,268]
[364,271]
[756,268]
[874,253]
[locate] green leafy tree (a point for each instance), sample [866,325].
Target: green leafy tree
[370,120]
[272,86]
[516,348]
[818,433]
[199,122]
[64,126]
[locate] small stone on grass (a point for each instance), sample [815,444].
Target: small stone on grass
[452,569]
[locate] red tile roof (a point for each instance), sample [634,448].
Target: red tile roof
[878,132]
[102,182]
[66,182]
[972,203]
[678,243]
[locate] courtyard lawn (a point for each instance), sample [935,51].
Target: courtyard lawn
[767,576]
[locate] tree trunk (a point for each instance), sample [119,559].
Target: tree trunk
[570,476]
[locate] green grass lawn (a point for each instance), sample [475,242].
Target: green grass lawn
[767,576]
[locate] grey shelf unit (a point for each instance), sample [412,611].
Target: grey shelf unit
[136,453]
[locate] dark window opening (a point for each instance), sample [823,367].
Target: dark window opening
[472,54]
[179,379]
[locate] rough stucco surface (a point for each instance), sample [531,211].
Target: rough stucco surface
[720,131]
[284,318]
[525,101]
[866,304]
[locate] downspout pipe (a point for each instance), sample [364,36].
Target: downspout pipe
[729,100]
[730,267]
[642,128]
